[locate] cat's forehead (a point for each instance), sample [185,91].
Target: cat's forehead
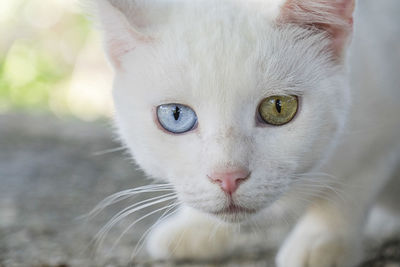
[213,51]
[217,66]
[222,52]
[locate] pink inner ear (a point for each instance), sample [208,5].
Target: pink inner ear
[120,36]
[119,47]
[333,16]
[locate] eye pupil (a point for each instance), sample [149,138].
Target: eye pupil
[176,118]
[177,112]
[278,110]
[278,105]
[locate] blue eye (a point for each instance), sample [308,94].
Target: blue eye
[176,118]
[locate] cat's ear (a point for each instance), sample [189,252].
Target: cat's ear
[332,16]
[125,23]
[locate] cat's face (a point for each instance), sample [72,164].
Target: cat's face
[220,65]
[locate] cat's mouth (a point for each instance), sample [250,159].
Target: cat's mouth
[234,213]
[234,209]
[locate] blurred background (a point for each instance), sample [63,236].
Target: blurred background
[51,60]
[57,154]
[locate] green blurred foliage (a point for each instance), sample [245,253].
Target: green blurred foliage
[35,67]
[28,74]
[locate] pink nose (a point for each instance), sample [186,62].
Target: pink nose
[229,180]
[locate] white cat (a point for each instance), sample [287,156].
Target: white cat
[248,110]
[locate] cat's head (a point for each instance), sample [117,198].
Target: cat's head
[230,101]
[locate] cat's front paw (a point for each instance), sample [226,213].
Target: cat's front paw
[311,245]
[188,236]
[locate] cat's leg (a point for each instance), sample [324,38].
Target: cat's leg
[322,238]
[384,219]
[330,233]
[383,224]
[190,234]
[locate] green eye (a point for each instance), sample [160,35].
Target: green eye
[279,109]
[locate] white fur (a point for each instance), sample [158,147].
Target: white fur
[222,58]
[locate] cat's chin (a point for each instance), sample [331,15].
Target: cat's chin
[234,214]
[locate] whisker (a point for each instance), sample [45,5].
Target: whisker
[325,181]
[107,151]
[138,220]
[144,236]
[99,237]
[181,235]
[316,194]
[125,210]
[324,187]
[122,195]
[320,174]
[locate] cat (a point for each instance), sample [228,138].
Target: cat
[261,112]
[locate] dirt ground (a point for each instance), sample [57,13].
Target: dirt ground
[54,170]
